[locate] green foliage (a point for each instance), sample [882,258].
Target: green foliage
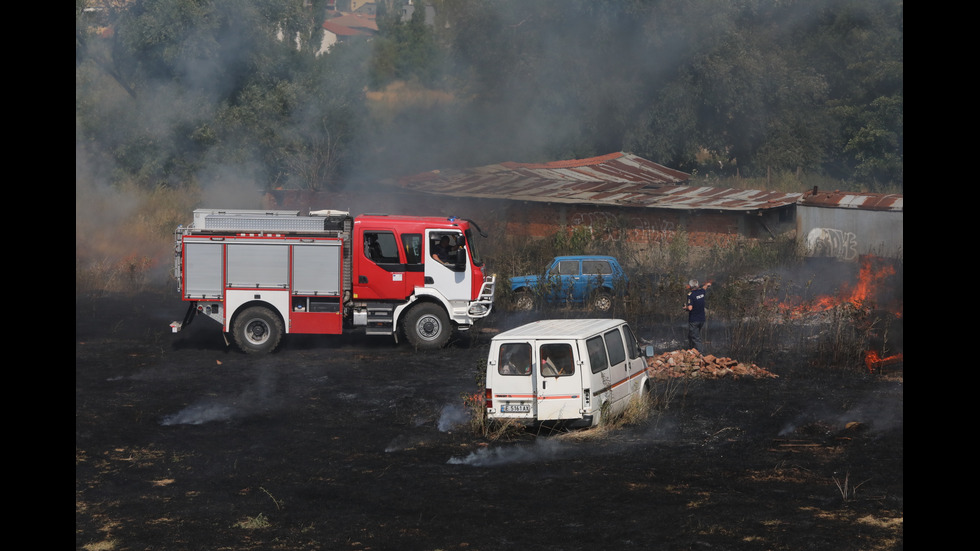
[405,50]
[575,240]
[756,89]
[875,143]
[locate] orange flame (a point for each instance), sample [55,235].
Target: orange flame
[873,272]
[873,361]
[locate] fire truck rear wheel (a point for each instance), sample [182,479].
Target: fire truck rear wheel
[427,327]
[257,330]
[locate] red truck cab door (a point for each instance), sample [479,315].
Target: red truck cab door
[381,269]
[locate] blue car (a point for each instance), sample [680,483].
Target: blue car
[587,280]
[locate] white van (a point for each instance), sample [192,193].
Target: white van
[569,370]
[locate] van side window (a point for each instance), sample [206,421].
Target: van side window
[632,347]
[597,354]
[614,344]
[556,360]
[514,359]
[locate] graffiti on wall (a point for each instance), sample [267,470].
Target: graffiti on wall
[832,242]
[641,229]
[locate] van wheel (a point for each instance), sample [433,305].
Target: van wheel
[427,327]
[257,330]
[524,301]
[602,301]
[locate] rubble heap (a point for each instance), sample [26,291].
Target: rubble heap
[691,363]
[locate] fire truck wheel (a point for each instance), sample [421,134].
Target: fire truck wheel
[427,327]
[257,330]
[602,301]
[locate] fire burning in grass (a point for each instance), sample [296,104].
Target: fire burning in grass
[868,293]
[874,362]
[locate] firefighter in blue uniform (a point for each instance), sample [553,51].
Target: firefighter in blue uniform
[695,313]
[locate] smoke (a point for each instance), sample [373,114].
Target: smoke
[231,188]
[452,415]
[260,397]
[543,449]
[564,446]
[99,208]
[200,413]
[880,411]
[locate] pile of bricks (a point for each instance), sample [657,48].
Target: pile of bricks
[691,363]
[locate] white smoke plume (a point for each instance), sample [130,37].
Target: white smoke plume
[259,397]
[541,450]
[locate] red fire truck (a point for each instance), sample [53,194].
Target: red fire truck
[264,274]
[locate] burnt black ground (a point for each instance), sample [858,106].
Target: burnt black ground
[359,443]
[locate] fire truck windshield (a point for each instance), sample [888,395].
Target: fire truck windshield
[471,245]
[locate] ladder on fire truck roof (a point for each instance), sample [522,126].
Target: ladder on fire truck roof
[286,221]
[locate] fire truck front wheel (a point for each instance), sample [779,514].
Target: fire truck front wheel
[427,327]
[257,330]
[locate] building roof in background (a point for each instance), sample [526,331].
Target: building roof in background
[852,200]
[350,24]
[616,179]
[341,30]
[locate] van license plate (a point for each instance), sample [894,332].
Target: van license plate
[515,408]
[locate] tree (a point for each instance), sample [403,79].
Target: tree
[404,50]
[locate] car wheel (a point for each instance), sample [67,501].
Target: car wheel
[524,301]
[602,301]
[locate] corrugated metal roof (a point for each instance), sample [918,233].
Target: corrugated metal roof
[351,25]
[356,21]
[850,200]
[618,179]
[341,30]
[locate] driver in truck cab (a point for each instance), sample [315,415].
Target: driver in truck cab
[442,250]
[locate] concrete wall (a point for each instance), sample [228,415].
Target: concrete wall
[846,233]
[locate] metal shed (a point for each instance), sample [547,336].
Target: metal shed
[649,202]
[644,201]
[845,225]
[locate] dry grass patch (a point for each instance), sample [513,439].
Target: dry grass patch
[104,545]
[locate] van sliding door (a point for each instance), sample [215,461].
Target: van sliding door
[618,368]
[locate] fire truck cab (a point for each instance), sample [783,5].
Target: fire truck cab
[264,274]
